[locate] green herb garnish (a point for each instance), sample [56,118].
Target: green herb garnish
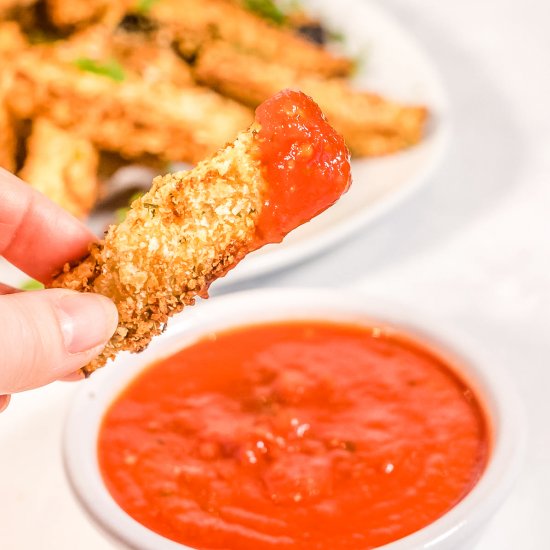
[360,61]
[336,36]
[267,9]
[32,284]
[110,68]
[144,6]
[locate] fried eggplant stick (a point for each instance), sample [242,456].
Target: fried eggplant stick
[130,117]
[196,22]
[192,227]
[6,6]
[8,139]
[370,124]
[11,41]
[78,13]
[150,56]
[62,166]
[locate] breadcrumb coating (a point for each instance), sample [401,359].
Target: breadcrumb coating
[370,124]
[11,41]
[77,13]
[70,179]
[189,229]
[7,5]
[8,138]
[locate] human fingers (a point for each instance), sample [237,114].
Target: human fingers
[4,402]
[35,234]
[49,334]
[7,289]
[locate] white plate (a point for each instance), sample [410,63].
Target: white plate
[394,65]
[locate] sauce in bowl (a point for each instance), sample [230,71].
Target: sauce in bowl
[294,435]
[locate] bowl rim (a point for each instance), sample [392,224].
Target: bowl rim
[464,353]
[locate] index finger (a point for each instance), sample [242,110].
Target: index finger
[36,235]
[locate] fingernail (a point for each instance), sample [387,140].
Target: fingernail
[86,321]
[4,402]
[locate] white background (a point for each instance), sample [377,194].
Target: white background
[472,246]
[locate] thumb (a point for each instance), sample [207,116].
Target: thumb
[48,334]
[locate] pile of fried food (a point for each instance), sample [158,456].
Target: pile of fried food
[159,81]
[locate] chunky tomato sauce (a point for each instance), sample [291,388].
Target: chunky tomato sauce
[302,435]
[305,161]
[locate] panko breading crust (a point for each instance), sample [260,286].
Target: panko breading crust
[370,124]
[189,229]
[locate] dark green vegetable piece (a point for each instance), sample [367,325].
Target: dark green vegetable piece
[144,6]
[266,9]
[110,68]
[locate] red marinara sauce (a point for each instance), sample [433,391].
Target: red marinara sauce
[305,162]
[299,435]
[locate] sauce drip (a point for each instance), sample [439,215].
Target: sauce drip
[305,161]
[297,436]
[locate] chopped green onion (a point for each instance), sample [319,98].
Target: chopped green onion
[336,36]
[266,9]
[32,284]
[144,6]
[110,68]
[360,61]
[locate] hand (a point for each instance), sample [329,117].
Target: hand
[45,335]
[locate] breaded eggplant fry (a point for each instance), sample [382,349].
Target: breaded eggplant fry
[78,13]
[370,124]
[195,22]
[153,61]
[192,227]
[6,6]
[130,116]
[62,166]
[11,40]
[150,56]
[8,139]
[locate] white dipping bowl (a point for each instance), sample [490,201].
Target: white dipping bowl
[459,528]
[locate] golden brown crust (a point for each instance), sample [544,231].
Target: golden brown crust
[195,22]
[129,117]
[11,41]
[77,13]
[6,6]
[146,55]
[62,166]
[370,124]
[8,139]
[189,229]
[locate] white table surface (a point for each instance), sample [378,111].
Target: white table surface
[473,246]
